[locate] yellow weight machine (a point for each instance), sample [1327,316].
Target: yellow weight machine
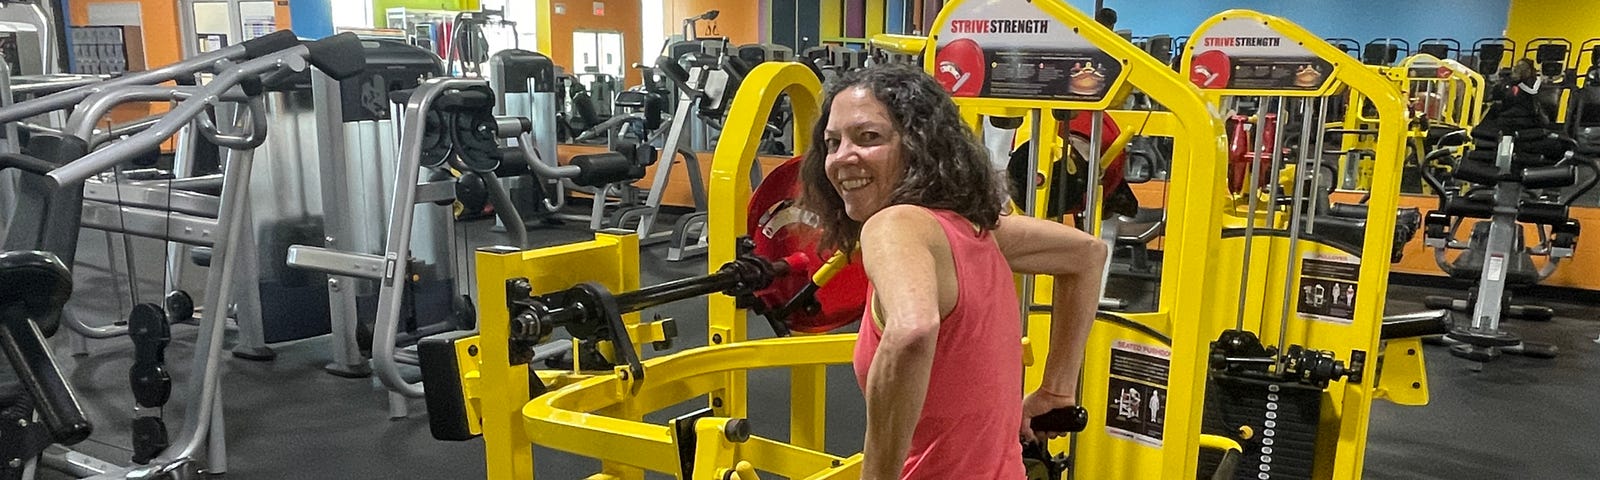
[1444,97]
[1294,267]
[484,385]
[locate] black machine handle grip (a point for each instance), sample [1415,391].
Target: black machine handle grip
[1065,419]
[25,347]
[670,68]
[272,42]
[340,56]
[1427,173]
[1586,158]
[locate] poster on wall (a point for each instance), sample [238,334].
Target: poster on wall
[1011,49]
[1246,54]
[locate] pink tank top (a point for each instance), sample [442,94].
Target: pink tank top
[969,421]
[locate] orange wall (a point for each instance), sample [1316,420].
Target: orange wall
[1574,272]
[739,20]
[620,16]
[159,19]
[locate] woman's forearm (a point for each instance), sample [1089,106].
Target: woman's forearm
[1074,302]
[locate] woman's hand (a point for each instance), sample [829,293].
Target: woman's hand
[1039,403]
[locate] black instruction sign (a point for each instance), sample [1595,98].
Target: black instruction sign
[1328,288]
[1137,407]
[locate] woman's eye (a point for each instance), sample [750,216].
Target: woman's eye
[869,136]
[832,144]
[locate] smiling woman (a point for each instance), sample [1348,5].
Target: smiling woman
[893,169]
[937,160]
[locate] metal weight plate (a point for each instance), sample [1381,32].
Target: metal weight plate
[781,228]
[435,141]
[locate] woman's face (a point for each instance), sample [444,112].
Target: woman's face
[864,160]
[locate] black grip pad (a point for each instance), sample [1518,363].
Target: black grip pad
[1549,177]
[670,68]
[605,168]
[512,163]
[1063,420]
[272,42]
[340,56]
[25,163]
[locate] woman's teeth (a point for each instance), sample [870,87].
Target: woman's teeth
[854,183]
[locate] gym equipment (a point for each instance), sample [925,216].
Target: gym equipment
[1583,103]
[358,168]
[1309,275]
[445,121]
[1385,51]
[1441,48]
[37,285]
[490,389]
[1446,99]
[1489,55]
[57,164]
[1347,45]
[1504,175]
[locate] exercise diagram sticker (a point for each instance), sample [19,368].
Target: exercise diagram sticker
[1011,49]
[1137,409]
[1244,53]
[1328,287]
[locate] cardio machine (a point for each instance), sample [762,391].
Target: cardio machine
[1505,183]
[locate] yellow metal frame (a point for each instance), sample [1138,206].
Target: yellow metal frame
[598,414]
[1460,96]
[1346,405]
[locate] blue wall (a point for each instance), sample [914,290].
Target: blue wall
[1364,20]
[312,18]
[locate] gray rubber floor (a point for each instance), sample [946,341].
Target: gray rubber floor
[1519,418]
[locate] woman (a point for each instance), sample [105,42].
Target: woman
[893,170]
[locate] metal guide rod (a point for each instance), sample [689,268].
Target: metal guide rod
[1092,193]
[1030,197]
[11,144]
[183,150]
[1091,197]
[1250,215]
[1321,119]
[1277,164]
[1297,202]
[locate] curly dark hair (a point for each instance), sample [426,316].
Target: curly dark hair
[947,167]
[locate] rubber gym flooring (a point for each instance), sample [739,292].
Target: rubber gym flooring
[1517,419]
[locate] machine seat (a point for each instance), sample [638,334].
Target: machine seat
[1142,228]
[1346,225]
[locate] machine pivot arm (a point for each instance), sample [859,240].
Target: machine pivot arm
[591,313]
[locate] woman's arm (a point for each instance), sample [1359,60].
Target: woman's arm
[898,250]
[1077,261]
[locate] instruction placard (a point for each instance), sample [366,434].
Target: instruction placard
[1328,287]
[1012,49]
[1246,53]
[1137,409]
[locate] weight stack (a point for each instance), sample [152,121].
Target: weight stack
[1282,418]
